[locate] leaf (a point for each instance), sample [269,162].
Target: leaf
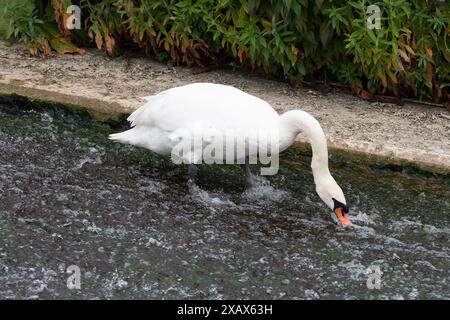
[241,55]
[98,40]
[60,17]
[294,50]
[383,78]
[319,3]
[392,77]
[288,4]
[111,46]
[404,55]
[363,94]
[166,45]
[325,34]
[429,74]
[410,50]
[46,49]
[65,46]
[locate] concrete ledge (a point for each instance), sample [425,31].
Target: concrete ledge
[102,107]
[434,162]
[410,133]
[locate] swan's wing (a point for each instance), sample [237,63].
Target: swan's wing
[203,106]
[208,109]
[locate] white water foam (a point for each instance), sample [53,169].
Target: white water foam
[262,190]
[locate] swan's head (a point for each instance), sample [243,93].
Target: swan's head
[330,193]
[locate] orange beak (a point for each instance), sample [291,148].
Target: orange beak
[342,217]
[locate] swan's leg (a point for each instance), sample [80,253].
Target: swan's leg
[249,180]
[192,174]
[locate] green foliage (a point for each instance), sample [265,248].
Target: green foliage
[289,39]
[410,50]
[20,20]
[33,22]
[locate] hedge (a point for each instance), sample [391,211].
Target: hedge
[408,56]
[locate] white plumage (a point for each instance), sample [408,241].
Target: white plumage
[195,107]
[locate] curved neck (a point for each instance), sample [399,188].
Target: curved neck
[296,121]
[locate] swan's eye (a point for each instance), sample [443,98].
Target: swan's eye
[338,204]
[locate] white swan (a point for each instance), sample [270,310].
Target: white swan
[165,117]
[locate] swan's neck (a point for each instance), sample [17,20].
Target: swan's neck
[296,121]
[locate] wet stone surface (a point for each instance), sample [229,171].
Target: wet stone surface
[125,217]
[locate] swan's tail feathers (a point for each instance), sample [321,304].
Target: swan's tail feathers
[143,114]
[123,137]
[139,115]
[135,115]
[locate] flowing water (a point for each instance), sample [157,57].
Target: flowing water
[125,217]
